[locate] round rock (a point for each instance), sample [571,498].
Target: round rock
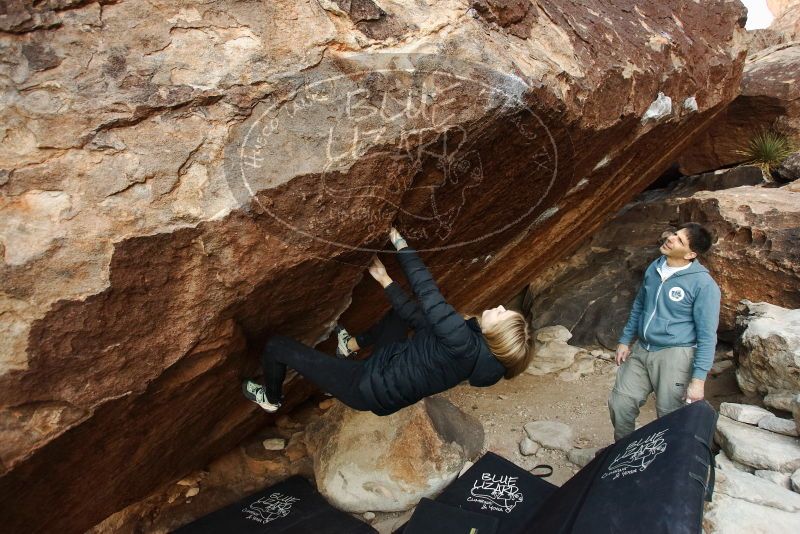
[551,435]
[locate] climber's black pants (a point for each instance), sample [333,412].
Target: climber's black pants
[339,377]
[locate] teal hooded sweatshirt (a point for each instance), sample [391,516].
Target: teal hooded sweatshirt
[682,311]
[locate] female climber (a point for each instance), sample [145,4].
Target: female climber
[444,350]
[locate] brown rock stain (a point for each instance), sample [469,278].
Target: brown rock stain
[408,447]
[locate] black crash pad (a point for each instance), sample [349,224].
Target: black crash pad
[655,481]
[434,517]
[500,489]
[289,507]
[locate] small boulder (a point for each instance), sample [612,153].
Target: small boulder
[744,413]
[274,444]
[528,447]
[582,457]
[787,427]
[551,435]
[795,481]
[583,365]
[366,463]
[550,334]
[551,353]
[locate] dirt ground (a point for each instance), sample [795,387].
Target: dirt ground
[508,405]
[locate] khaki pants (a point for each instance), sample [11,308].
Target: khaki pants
[667,372]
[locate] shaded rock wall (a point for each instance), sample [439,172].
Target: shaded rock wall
[755,255]
[180,180]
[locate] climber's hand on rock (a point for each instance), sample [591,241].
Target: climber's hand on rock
[397,240]
[378,272]
[623,351]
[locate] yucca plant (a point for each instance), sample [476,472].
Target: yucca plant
[767,149]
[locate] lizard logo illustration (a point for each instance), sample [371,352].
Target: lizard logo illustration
[496,492]
[638,455]
[267,509]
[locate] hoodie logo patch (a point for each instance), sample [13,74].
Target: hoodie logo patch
[676,294]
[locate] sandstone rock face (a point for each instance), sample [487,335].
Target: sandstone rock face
[179,177]
[779,7]
[551,351]
[727,515]
[744,503]
[720,367]
[723,462]
[768,349]
[758,448]
[757,230]
[363,462]
[758,490]
[781,479]
[770,96]
[787,18]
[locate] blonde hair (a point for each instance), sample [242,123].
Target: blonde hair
[510,342]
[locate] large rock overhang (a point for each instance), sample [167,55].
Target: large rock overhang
[140,273]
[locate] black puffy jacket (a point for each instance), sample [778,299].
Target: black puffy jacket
[444,350]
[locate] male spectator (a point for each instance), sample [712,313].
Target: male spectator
[675,317]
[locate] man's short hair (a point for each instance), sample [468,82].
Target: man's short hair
[699,238]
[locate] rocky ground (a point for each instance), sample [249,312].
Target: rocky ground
[508,405]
